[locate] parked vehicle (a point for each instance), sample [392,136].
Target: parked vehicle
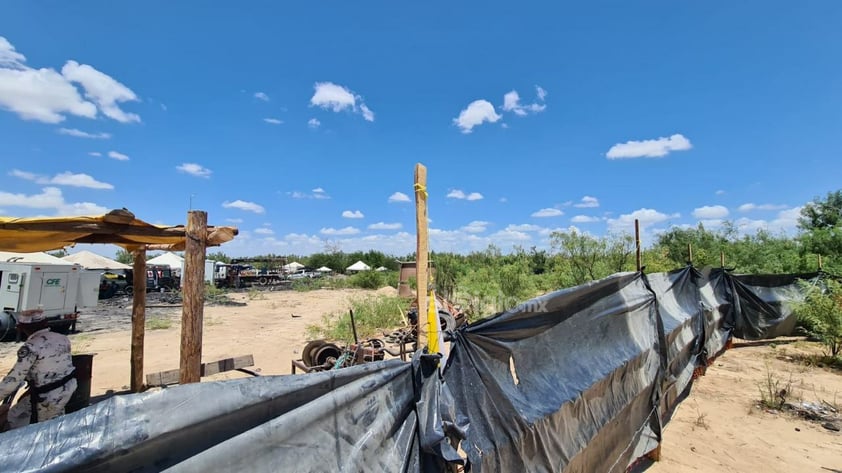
[59,289]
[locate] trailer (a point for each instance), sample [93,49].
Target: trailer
[59,289]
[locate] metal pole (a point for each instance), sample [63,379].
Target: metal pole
[637,243]
[354,326]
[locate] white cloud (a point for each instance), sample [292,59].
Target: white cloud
[317,193]
[314,123]
[261,96]
[786,221]
[50,198]
[503,200]
[750,207]
[264,231]
[548,213]
[649,148]
[352,214]
[476,113]
[117,156]
[234,220]
[477,226]
[720,192]
[646,217]
[95,153]
[540,92]
[103,90]
[244,205]
[273,121]
[83,134]
[337,98]
[399,197]
[194,169]
[458,194]
[511,103]
[710,212]
[587,202]
[62,179]
[385,226]
[79,180]
[340,231]
[524,227]
[37,94]
[584,219]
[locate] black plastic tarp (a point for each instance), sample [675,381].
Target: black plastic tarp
[566,382]
[355,419]
[578,380]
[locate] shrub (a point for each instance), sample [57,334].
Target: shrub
[367,280]
[372,315]
[821,313]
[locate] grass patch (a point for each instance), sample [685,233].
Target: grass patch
[80,343]
[373,314]
[158,323]
[255,294]
[774,392]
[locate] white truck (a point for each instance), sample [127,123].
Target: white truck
[59,289]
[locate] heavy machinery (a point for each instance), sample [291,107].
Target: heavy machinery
[247,272]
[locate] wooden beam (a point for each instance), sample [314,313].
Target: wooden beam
[193,295]
[421,251]
[138,319]
[166,378]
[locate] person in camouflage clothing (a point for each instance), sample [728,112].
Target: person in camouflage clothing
[45,363]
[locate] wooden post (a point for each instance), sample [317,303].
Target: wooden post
[820,263]
[193,295]
[138,318]
[637,244]
[421,263]
[722,259]
[690,253]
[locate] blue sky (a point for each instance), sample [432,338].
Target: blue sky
[287,119]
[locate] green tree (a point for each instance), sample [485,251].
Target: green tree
[219,256]
[124,257]
[582,251]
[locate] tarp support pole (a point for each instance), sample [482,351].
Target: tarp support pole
[722,259]
[138,318]
[820,263]
[193,295]
[421,252]
[690,253]
[637,244]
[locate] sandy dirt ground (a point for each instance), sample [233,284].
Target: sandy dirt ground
[718,428]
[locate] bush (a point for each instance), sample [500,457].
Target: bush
[821,313]
[372,315]
[367,280]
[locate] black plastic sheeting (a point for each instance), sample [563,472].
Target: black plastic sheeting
[578,380]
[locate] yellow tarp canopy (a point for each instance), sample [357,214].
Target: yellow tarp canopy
[118,227]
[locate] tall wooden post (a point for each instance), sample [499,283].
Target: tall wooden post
[690,253]
[193,295]
[138,318]
[421,263]
[637,244]
[820,263]
[722,259]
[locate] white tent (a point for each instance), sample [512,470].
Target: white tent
[358,266]
[90,260]
[175,262]
[39,257]
[294,266]
[382,268]
[324,269]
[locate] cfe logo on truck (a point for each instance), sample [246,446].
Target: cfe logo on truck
[53,282]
